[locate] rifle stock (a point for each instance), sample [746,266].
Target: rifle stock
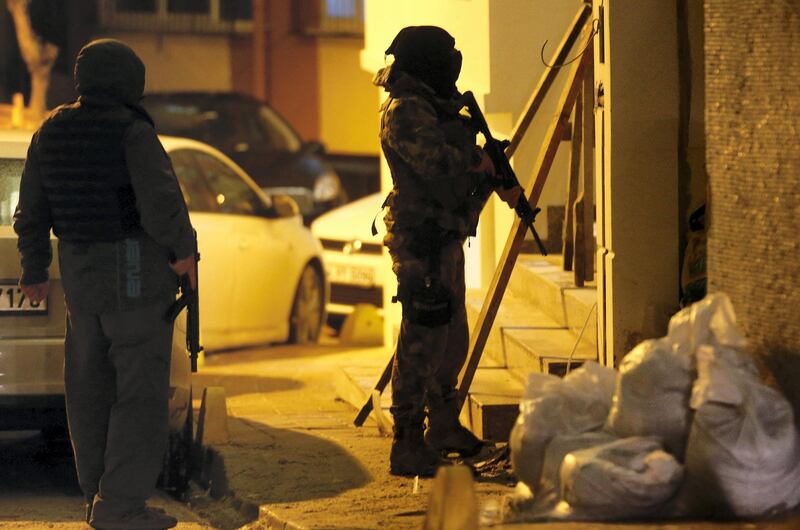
[496,151]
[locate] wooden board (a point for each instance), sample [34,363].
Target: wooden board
[517,234]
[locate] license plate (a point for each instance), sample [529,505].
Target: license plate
[351,274]
[13,300]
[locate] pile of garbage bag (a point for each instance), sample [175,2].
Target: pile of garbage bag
[687,427]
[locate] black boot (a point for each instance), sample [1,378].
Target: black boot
[446,434]
[410,455]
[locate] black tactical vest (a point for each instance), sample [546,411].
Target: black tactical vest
[84,175]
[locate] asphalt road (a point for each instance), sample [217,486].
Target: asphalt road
[38,484]
[39,488]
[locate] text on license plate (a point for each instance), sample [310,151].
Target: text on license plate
[351,274]
[13,300]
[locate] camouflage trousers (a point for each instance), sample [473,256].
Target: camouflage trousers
[428,359]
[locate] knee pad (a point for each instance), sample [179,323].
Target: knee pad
[426,302]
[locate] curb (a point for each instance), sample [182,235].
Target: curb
[213,479]
[275,522]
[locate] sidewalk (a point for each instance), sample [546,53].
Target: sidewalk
[294,451]
[296,459]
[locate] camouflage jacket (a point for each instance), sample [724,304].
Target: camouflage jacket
[430,150]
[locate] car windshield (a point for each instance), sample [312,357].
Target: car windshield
[279,133]
[181,119]
[10,174]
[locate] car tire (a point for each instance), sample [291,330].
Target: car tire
[305,321]
[57,441]
[179,459]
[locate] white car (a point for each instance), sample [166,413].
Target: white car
[261,280]
[261,273]
[353,256]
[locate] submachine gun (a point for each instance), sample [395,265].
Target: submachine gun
[189,299]
[496,151]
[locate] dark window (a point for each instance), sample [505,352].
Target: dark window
[341,8]
[244,124]
[236,9]
[136,6]
[329,18]
[230,132]
[231,193]
[197,7]
[196,192]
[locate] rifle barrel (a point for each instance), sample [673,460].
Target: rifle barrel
[496,152]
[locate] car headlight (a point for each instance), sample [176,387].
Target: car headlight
[327,187]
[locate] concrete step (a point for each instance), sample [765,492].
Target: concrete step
[354,385]
[493,404]
[493,400]
[513,313]
[543,282]
[544,350]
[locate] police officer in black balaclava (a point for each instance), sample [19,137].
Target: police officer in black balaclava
[97,175]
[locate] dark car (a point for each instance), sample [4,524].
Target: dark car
[257,138]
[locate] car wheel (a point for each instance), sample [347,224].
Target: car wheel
[305,321]
[56,440]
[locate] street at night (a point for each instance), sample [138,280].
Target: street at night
[418,265]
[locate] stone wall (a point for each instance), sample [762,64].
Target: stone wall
[753,154]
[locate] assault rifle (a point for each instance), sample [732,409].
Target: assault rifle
[190,299]
[496,151]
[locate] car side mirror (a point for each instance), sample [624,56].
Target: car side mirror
[285,206]
[314,147]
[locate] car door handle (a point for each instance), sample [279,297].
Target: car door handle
[241,147]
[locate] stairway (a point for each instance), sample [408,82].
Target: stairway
[537,329]
[540,319]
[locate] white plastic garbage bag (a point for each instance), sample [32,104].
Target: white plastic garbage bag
[558,448]
[550,405]
[632,477]
[743,453]
[652,395]
[709,321]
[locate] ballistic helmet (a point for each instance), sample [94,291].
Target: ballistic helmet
[429,54]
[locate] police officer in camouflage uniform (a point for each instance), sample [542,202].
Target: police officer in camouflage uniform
[442,180]
[97,175]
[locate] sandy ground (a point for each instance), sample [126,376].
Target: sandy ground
[295,453]
[294,449]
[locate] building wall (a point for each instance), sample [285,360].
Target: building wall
[518,30]
[347,105]
[292,71]
[241,58]
[753,135]
[466,21]
[637,191]
[181,62]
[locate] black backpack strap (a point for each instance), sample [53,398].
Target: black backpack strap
[375,219]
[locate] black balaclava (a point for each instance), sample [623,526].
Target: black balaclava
[429,54]
[108,69]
